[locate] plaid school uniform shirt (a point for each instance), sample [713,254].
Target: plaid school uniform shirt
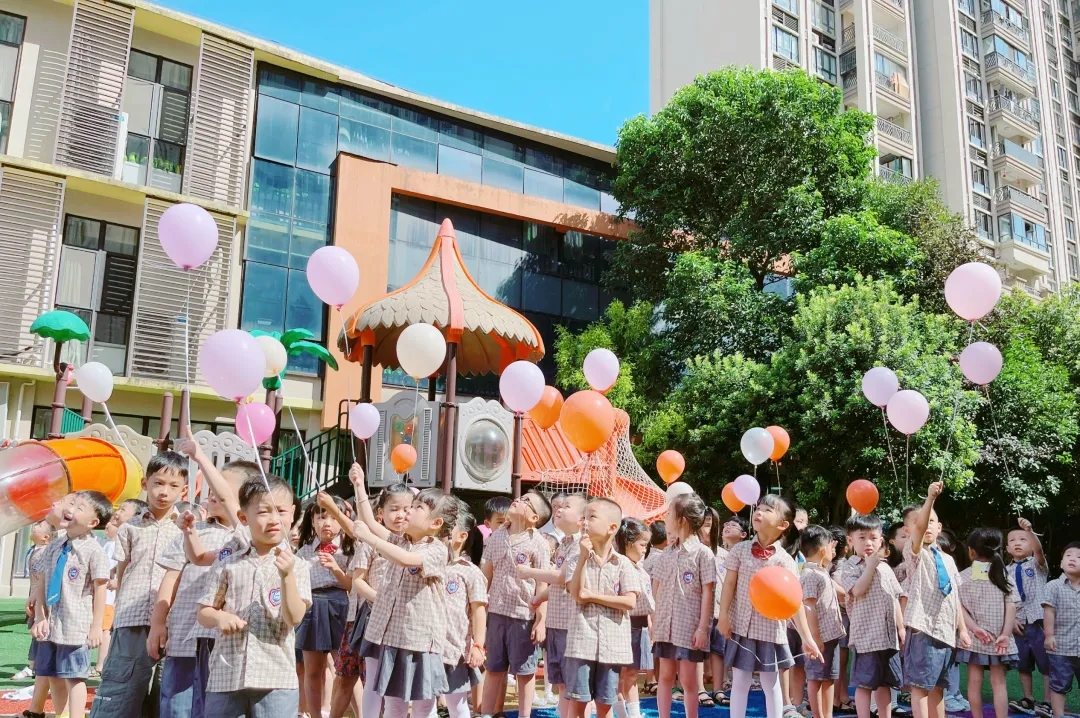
[1065,600]
[600,633]
[33,558]
[721,563]
[263,655]
[71,618]
[183,623]
[465,585]
[872,617]
[986,604]
[139,542]
[651,561]
[509,595]
[816,583]
[646,604]
[410,612]
[745,621]
[36,562]
[681,578]
[560,603]
[322,577]
[1029,577]
[929,609]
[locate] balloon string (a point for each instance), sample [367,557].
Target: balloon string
[888,441]
[956,408]
[775,664]
[303,447]
[187,371]
[1004,459]
[348,381]
[777,465]
[112,425]
[907,468]
[258,459]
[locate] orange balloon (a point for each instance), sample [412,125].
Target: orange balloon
[862,496]
[403,457]
[781,442]
[775,593]
[670,464]
[730,499]
[587,419]
[546,413]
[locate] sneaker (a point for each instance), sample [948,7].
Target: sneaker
[954,705]
[898,710]
[1043,710]
[22,675]
[791,712]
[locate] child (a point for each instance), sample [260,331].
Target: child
[932,615]
[255,598]
[129,670]
[513,630]
[756,643]
[75,597]
[407,630]
[876,629]
[1061,625]
[989,601]
[41,534]
[606,586]
[120,517]
[710,536]
[822,614]
[802,519]
[1029,572]
[841,701]
[657,545]
[683,585]
[495,511]
[466,619]
[632,541]
[734,531]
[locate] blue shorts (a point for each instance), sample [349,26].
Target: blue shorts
[829,670]
[54,660]
[556,647]
[926,661]
[877,669]
[510,646]
[253,703]
[1031,651]
[1063,671]
[591,681]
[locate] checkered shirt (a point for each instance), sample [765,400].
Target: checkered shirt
[601,633]
[410,611]
[509,595]
[263,656]
[928,609]
[1033,577]
[322,577]
[560,603]
[645,603]
[139,542]
[986,604]
[465,585]
[816,583]
[36,562]
[721,569]
[182,620]
[681,578]
[70,620]
[745,621]
[1065,600]
[652,560]
[837,567]
[867,632]
[34,559]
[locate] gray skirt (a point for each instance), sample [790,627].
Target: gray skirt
[749,655]
[461,677]
[642,646]
[985,659]
[408,675]
[663,649]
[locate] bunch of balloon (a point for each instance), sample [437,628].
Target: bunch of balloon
[670,465]
[522,389]
[421,350]
[757,445]
[906,410]
[587,417]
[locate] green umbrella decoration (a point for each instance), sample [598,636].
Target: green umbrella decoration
[61,327]
[296,341]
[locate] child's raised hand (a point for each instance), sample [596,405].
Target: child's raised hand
[230,623]
[1025,525]
[187,522]
[325,500]
[363,532]
[284,561]
[40,630]
[586,545]
[934,490]
[356,476]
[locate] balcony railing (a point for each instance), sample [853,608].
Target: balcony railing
[890,39]
[1007,148]
[898,4]
[849,35]
[996,59]
[1014,108]
[851,79]
[890,175]
[894,130]
[891,83]
[991,18]
[1016,196]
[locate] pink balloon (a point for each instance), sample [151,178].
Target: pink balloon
[255,422]
[233,363]
[188,234]
[908,411]
[333,275]
[521,386]
[364,420]
[972,290]
[879,384]
[747,489]
[981,363]
[601,369]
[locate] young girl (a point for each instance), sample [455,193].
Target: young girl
[756,643]
[466,618]
[683,583]
[710,536]
[989,601]
[632,541]
[326,550]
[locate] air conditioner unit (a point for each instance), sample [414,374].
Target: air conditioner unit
[404,420]
[485,447]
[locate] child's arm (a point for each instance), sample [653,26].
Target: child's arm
[1001,644]
[328,562]
[1049,640]
[810,606]
[478,621]
[922,518]
[623,602]
[159,631]
[550,576]
[973,626]
[223,489]
[866,580]
[727,595]
[210,613]
[1036,544]
[93,639]
[293,605]
[326,503]
[392,552]
[194,549]
[841,594]
[361,587]
[574,585]
[489,571]
[810,645]
[963,637]
[363,507]
[40,629]
[705,613]
[898,619]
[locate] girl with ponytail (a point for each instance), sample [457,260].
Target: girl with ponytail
[989,601]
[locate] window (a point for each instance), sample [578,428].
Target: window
[1063,157]
[968,6]
[1055,89]
[791,6]
[993,43]
[1016,228]
[969,43]
[824,17]
[156,99]
[973,87]
[785,44]
[976,133]
[900,165]
[984,225]
[1070,230]
[1007,11]
[97,281]
[1074,260]
[980,179]
[12,28]
[825,64]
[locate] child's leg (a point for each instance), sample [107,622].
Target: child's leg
[493,684]
[177,687]
[457,704]
[665,674]
[328,680]
[936,703]
[342,696]
[314,679]
[920,702]
[815,698]
[785,693]
[76,692]
[603,710]
[862,702]
[41,694]
[826,690]
[688,675]
[1000,691]
[717,663]
[974,688]
[796,684]
[59,690]
[373,702]
[884,701]
[1057,703]
[125,682]
[629,691]
[842,687]
[740,691]
[774,698]
[425,708]
[526,688]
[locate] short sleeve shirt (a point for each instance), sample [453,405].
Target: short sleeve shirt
[191,587]
[263,655]
[70,620]
[1064,598]
[721,569]
[872,617]
[650,562]
[322,577]
[509,595]
[817,584]
[1030,587]
[600,633]
[465,585]
[37,561]
[745,621]
[986,603]
[33,559]
[929,610]
[681,577]
[410,610]
[646,603]
[560,603]
[139,542]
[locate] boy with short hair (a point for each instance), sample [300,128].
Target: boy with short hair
[1029,572]
[606,586]
[823,615]
[41,533]
[494,515]
[129,669]
[513,629]
[74,594]
[1061,624]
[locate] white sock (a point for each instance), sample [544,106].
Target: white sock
[620,709]
[633,709]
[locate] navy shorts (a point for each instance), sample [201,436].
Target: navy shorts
[510,646]
[877,669]
[57,661]
[1031,651]
[829,670]
[1063,671]
[591,681]
[794,641]
[926,661]
[555,644]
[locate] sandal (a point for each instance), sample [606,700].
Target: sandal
[704,700]
[93,673]
[720,699]
[845,706]
[677,695]
[649,688]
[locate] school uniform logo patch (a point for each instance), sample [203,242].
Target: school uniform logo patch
[274,597]
[1029,572]
[452,586]
[413,570]
[560,561]
[521,558]
[618,589]
[72,573]
[688,576]
[224,554]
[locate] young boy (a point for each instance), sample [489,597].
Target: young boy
[933,618]
[513,629]
[41,534]
[494,515]
[1029,572]
[256,598]
[129,669]
[75,597]
[823,614]
[876,624]
[1061,624]
[734,531]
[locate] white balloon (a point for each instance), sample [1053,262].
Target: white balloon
[521,386]
[879,384]
[601,369]
[747,489]
[276,357]
[95,381]
[678,489]
[757,445]
[421,350]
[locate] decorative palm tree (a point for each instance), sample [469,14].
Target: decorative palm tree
[296,342]
[61,327]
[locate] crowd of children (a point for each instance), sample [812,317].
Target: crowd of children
[246,606]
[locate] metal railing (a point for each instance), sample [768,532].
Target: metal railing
[1008,148]
[71,421]
[893,130]
[849,35]
[1014,108]
[851,79]
[891,83]
[1021,32]
[890,39]
[888,174]
[898,4]
[1015,195]
[996,59]
[330,458]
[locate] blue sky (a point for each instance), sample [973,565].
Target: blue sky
[575,66]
